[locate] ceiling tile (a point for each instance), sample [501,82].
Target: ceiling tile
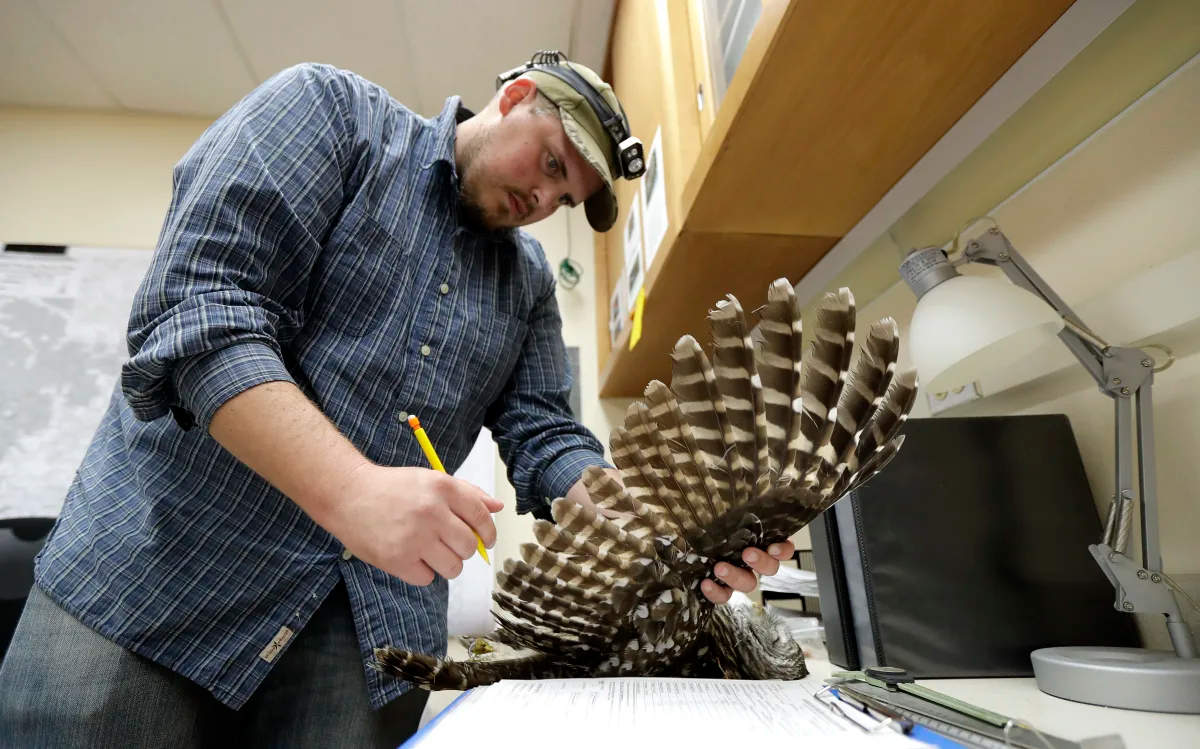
[37,68]
[451,56]
[156,55]
[365,36]
[198,57]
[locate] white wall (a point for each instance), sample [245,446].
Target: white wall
[88,178]
[1113,228]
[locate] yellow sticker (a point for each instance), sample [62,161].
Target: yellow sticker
[638,306]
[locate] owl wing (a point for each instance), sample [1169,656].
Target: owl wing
[743,449]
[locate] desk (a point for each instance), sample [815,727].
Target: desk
[1020,698]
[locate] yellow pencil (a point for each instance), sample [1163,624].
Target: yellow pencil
[427,446]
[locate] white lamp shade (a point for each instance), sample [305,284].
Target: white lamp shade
[970,326]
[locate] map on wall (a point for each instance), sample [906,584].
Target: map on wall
[63,318]
[62,342]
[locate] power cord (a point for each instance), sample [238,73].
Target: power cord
[569,271]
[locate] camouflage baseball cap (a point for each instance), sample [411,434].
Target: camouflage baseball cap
[585,130]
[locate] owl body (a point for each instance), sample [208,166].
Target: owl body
[746,446]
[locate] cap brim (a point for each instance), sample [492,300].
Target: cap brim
[601,208]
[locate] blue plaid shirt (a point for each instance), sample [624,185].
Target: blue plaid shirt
[312,237]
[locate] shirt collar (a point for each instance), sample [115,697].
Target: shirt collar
[444,133]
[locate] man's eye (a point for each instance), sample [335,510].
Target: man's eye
[553,164]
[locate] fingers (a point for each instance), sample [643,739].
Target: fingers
[718,594]
[734,578]
[785,550]
[493,504]
[415,573]
[443,560]
[457,536]
[469,502]
[738,579]
[761,563]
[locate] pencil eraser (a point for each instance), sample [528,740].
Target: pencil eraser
[414,422]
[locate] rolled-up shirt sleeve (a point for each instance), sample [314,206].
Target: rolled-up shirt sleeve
[545,448]
[251,201]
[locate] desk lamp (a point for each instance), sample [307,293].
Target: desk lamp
[966,326]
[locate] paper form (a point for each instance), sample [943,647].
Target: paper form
[791,580]
[654,199]
[677,712]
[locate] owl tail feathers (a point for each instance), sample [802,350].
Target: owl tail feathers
[436,674]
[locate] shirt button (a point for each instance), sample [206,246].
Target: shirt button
[426,351]
[444,288]
[347,555]
[402,416]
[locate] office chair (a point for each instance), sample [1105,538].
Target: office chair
[20,541]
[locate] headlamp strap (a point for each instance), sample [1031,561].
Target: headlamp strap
[553,62]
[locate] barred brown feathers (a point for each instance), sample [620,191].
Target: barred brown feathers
[745,446]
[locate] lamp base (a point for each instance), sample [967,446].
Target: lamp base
[1129,678]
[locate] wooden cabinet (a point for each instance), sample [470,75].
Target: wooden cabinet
[720,33]
[765,168]
[650,49]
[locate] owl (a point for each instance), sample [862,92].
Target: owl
[747,445]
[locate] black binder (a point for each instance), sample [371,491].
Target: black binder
[966,553]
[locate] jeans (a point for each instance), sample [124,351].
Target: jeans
[62,685]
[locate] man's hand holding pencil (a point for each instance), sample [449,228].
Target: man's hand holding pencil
[413,522]
[436,463]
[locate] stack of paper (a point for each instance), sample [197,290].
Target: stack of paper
[801,626]
[790,580]
[611,713]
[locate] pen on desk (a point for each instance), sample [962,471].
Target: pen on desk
[431,455]
[858,717]
[875,710]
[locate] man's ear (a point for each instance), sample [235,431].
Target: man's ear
[515,92]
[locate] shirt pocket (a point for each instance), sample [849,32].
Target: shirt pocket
[500,340]
[359,277]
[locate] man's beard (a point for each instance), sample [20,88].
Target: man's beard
[471,212]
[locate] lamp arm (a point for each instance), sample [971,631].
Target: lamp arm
[1122,374]
[993,248]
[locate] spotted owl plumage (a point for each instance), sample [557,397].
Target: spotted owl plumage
[743,449]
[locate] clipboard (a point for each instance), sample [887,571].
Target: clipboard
[913,729]
[949,719]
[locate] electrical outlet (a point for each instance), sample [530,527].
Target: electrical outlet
[939,402]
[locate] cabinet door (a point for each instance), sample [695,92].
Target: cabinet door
[720,31]
[653,74]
